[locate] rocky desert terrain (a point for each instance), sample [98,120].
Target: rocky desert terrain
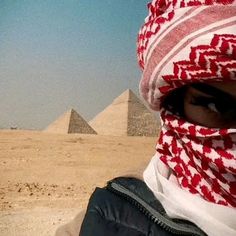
[47,178]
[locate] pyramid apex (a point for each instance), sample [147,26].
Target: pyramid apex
[71,110]
[128,91]
[127,96]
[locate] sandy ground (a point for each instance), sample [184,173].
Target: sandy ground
[47,178]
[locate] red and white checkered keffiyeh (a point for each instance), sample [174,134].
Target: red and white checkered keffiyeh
[180,43]
[203,159]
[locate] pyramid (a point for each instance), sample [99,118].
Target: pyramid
[126,116]
[70,122]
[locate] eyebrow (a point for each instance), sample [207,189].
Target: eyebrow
[210,90]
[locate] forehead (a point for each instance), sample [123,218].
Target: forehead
[228,87]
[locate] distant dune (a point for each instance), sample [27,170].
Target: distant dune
[47,178]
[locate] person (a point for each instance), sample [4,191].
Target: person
[187,50]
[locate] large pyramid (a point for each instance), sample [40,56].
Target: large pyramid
[70,122]
[128,116]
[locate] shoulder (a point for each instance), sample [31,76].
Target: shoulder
[126,206]
[114,210]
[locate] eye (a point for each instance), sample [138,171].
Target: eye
[207,102]
[212,107]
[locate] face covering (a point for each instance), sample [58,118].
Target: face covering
[202,159]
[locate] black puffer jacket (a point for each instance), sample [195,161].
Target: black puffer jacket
[126,207]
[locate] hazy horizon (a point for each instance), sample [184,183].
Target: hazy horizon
[57,55]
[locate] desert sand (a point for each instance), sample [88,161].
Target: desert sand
[47,178]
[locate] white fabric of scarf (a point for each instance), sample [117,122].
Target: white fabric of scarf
[213,219]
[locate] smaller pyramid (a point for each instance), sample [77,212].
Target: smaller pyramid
[70,122]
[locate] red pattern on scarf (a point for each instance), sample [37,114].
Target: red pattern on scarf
[203,159]
[160,12]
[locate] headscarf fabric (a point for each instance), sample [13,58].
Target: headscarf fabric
[202,159]
[184,42]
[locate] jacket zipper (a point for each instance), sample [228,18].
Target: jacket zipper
[151,213]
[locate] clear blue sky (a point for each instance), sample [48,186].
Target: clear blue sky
[62,54]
